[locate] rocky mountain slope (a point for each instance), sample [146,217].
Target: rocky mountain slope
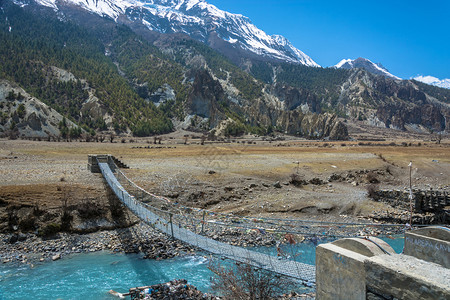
[382,102]
[21,114]
[127,78]
[118,80]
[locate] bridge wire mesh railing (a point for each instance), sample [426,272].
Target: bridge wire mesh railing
[182,225]
[277,227]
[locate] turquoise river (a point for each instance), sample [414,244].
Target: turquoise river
[91,276]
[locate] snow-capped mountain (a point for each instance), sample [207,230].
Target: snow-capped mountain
[196,18]
[444,83]
[375,68]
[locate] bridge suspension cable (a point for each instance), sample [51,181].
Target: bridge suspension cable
[183,227]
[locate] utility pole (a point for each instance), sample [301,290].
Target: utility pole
[410,193]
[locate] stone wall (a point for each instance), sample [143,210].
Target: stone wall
[423,201]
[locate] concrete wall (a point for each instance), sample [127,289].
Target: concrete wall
[93,163]
[359,269]
[407,277]
[430,244]
[340,272]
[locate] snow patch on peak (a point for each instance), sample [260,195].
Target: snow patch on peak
[426,79]
[191,3]
[110,8]
[48,3]
[280,39]
[444,83]
[343,62]
[364,63]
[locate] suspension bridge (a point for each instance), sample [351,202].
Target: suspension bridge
[188,224]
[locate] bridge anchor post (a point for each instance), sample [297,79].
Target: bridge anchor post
[171,224]
[203,222]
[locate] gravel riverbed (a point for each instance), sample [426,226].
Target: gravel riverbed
[29,248]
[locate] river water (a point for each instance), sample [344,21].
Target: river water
[91,276]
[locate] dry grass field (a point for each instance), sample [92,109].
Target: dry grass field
[230,177]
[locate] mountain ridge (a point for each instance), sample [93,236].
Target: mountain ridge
[172,79]
[127,75]
[198,19]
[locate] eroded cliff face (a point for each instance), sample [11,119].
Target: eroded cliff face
[313,125]
[393,104]
[207,98]
[400,115]
[408,105]
[285,108]
[292,98]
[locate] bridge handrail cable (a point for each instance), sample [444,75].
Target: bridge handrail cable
[285,267]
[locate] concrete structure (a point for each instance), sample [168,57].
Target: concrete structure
[340,272]
[94,159]
[430,244]
[362,269]
[406,277]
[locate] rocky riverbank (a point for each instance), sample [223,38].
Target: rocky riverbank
[180,289]
[139,238]
[29,248]
[175,289]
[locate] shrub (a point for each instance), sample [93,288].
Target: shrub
[234,129]
[382,157]
[88,209]
[242,281]
[297,180]
[372,190]
[27,224]
[388,170]
[37,211]
[66,220]
[21,111]
[49,230]
[372,177]
[13,219]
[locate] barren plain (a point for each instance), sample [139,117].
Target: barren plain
[251,177]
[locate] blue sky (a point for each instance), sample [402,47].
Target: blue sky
[408,37]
